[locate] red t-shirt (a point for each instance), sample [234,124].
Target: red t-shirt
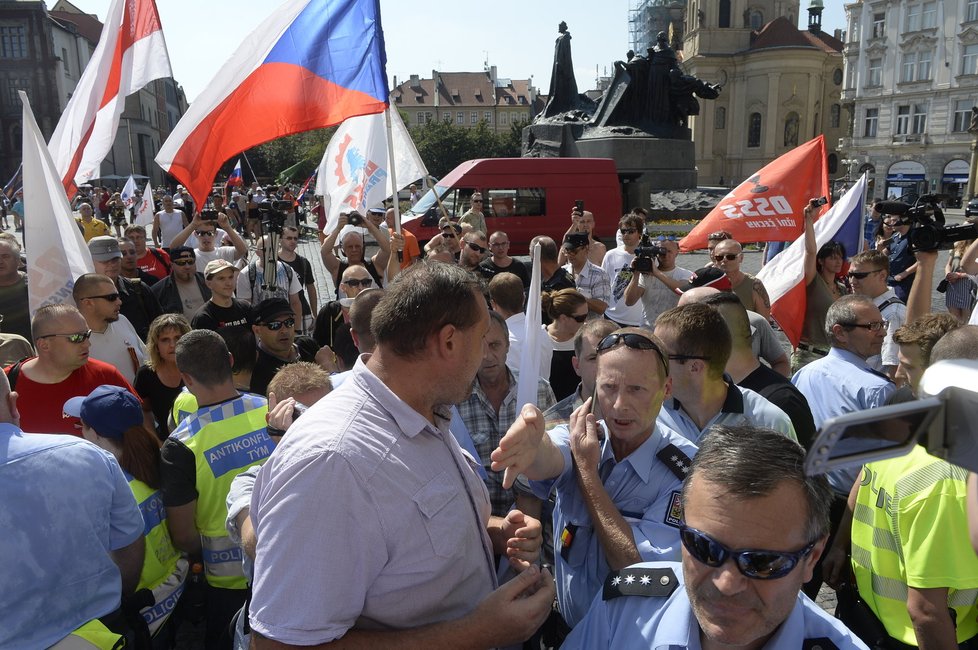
[41,406]
[153,265]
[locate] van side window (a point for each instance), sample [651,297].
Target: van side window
[520,202]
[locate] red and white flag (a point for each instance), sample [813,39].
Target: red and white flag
[56,250]
[131,53]
[784,276]
[146,208]
[768,205]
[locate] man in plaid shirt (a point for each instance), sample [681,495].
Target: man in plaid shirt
[591,280]
[492,408]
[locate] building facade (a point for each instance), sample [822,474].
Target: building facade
[44,53]
[468,98]
[647,18]
[781,85]
[911,81]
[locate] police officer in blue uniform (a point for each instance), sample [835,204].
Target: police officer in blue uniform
[753,528]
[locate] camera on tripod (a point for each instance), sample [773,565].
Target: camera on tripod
[273,215]
[645,253]
[927,229]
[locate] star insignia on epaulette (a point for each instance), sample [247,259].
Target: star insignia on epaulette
[616,581]
[629,579]
[645,580]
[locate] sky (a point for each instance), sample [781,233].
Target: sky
[516,36]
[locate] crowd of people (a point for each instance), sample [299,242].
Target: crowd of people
[209,436]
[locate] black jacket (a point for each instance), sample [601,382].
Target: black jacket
[169,296]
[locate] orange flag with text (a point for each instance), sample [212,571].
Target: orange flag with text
[768,206]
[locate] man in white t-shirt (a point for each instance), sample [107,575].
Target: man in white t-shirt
[617,263]
[207,248]
[113,339]
[657,288]
[167,223]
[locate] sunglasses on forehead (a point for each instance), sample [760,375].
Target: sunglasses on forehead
[633,341]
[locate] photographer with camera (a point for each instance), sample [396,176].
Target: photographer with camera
[902,262]
[617,264]
[207,249]
[582,222]
[656,279]
[352,246]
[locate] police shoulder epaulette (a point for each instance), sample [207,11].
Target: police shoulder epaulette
[676,460]
[821,643]
[640,581]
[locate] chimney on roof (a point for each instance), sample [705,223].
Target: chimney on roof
[815,16]
[415,81]
[839,34]
[492,75]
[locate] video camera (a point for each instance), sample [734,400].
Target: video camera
[644,254]
[273,214]
[941,423]
[927,231]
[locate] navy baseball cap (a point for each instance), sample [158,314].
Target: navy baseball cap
[110,410]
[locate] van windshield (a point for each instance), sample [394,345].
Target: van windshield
[428,200]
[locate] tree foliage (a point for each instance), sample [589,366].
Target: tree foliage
[444,145]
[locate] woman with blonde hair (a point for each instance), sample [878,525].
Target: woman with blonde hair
[158,381]
[567,309]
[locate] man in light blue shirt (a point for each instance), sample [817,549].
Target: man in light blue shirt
[73,534]
[617,480]
[842,382]
[747,490]
[697,342]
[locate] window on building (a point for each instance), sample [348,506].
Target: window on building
[919,118]
[65,62]
[487,116]
[447,118]
[13,42]
[504,118]
[720,118]
[875,73]
[835,116]
[962,115]
[754,130]
[474,117]
[756,19]
[903,120]
[972,10]
[909,68]
[969,59]
[929,16]
[879,25]
[723,19]
[791,123]
[833,161]
[923,65]
[855,26]
[872,121]
[13,85]
[913,18]
[460,118]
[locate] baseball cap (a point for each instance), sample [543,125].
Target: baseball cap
[575,240]
[104,248]
[710,276]
[269,308]
[182,252]
[110,410]
[216,266]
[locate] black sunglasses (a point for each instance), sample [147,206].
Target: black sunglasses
[874,326]
[755,564]
[354,282]
[76,338]
[448,235]
[109,297]
[861,275]
[205,233]
[729,256]
[627,231]
[276,325]
[476,247]
[633,341]
[579,318]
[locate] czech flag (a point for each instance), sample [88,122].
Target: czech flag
[784,276]
[15,183]
[311,64]
[235,179]
[131,53]
[768,206]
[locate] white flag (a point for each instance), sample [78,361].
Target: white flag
[146,209]
[355,173]
[130,53]
[56,250]
[526,386]
[128,194]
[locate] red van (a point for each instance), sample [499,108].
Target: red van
[524,197]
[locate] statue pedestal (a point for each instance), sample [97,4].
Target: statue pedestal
[645,164]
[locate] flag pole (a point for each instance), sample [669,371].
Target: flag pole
[391,165]
[248,162]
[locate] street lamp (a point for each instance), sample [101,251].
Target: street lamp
[849,164]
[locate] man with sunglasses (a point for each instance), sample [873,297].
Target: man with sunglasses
[589,278]
[500,261]
[753,526]
[184,291]
[697,343]
[474,250]
[273,322]
[208,246]
[617,480]
[728,257]
[139,304]
[62,369]
[114,340]
[474,216]
[617,265]
[868,271]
